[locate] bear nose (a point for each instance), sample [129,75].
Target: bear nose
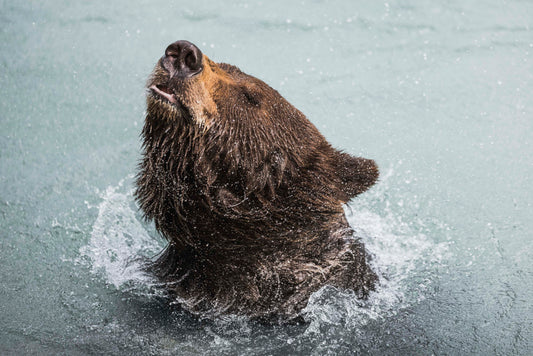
[182,59]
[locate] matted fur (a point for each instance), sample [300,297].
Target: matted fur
[249,195]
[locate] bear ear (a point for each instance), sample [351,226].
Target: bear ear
[355,175]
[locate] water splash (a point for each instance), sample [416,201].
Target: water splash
[402,256]
[119,243]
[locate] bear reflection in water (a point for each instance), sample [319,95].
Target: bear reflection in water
[247,192]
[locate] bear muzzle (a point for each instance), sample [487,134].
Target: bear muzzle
[182,59]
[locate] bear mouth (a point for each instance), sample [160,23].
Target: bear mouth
[166,98]
[164,92]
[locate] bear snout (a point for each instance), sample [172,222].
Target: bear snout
[182,59]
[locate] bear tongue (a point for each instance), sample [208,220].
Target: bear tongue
[164,92]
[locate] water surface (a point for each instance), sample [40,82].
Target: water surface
[438,93]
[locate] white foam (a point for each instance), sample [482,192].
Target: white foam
[400,255]
[118,240]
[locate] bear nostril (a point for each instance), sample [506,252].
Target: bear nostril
[191,61]
[182,59]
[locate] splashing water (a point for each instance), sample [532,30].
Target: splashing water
[120,242]
[400,254]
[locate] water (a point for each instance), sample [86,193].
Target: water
[438,93]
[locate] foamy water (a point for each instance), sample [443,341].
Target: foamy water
[120,243]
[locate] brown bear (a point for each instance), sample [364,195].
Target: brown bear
[247,191]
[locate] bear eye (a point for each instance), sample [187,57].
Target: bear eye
[252,98]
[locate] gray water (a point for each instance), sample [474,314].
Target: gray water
[439,93]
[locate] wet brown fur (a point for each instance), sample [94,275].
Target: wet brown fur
[249,195]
